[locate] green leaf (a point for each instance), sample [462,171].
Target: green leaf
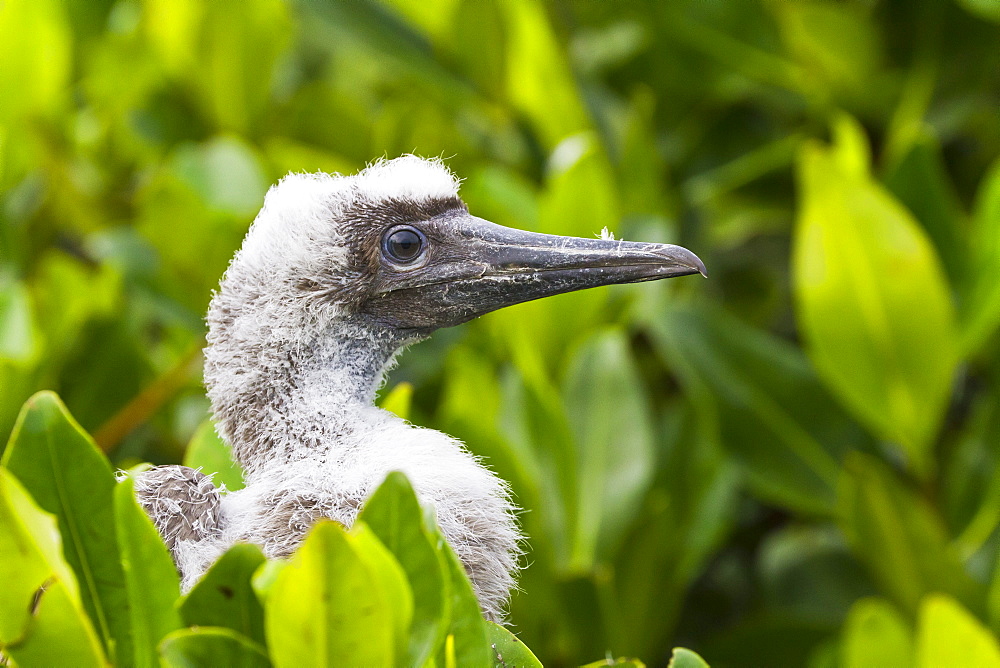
[208,452]
[68,476]
[430,16]
[981,303]
[876,635]
[539,81]
[226,52]
[685,658]
[608,411]
[873,303]
[772,412]
[899,537]
[474,24]
[508,650]
[398,400]
[224,596]
[467,641]
[18,340]
[921,183]
[330,606]
[622,662]
[226,174]
[36,50]
[986,9]
[948,635]
[151,580]
[394,515]
[42,621]
[207,646]
[835,44]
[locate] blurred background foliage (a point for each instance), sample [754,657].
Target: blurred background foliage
[792,463]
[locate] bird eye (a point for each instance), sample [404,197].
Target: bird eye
[403,245]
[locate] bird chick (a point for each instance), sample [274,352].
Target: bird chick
[337,275]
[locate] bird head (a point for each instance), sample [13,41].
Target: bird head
[396,248]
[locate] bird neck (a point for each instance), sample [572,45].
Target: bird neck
[297,396]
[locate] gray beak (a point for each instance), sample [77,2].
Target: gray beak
[474,266]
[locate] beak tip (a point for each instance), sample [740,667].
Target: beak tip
[693,261]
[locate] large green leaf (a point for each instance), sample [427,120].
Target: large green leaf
[873,303]
[876,635]
[772,412]
[224,596]
[68,476]
[948,635]
[208,452]
[899,537]
[342,600]
[42,620]
[608,412]
[151,580]
[394,515]
[210,646]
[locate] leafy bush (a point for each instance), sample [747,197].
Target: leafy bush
[91,582]
[792,463]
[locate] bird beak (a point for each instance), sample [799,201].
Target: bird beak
[474,266]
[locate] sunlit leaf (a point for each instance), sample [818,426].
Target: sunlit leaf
[35,48]
[224,596]
[394,515]
[539,81]
[68,476]
[873,303]
[208,452]
[151,580]
[431,17]
[42,621]
[949,635]
[876,635]
[341,600]
[398,400]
